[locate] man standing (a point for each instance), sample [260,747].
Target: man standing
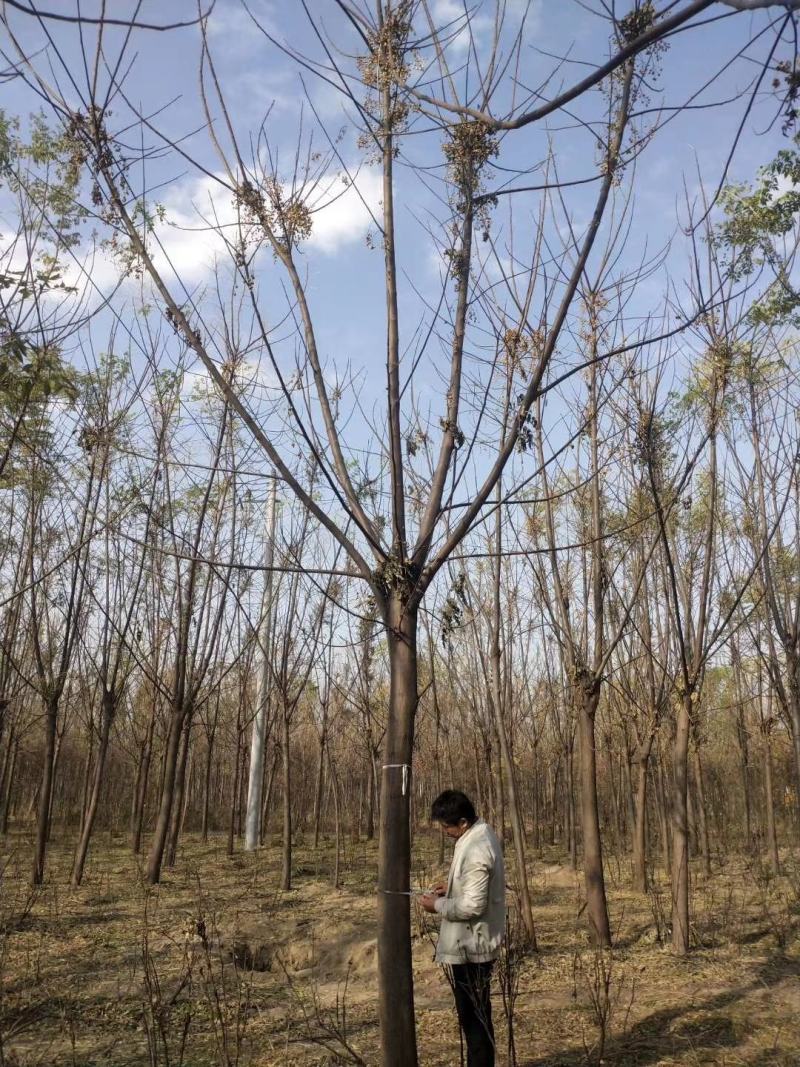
[472,907]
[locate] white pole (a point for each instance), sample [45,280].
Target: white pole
[252,826]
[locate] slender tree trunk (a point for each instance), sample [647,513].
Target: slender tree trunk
[180,786]
[594,879]
[156,857]
[662,811]
[744,765]
[8,781]
[286,872]
[570,813]
[627,778]
[258,742]
[132,816]
[320,773]
[702,813]
[87,774]
[507,776]
[370,828]
[269,790]
[187,797]
[6,763]
[108,711]
[680,827]
[234,790]
[536,809]
[793,667]
[395,979]
[207,784]
[45,791]
[640,819]
[143,780]
[499,788]
[241,807]
[337,826]
[555,776]
[53,778]
[769,803]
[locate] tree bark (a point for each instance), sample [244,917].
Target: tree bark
[108,711]
[286,871]
[156,857]
[680,827]
[594,879]
[45,792]
[702,813]
[640,819]
[8,781]
[769,804]
[207,785]
[395,978]
[140,788]
[323,737]
[177,812]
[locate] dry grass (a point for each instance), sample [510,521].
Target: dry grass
[216,966]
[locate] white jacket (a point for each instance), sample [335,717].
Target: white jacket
[474,909]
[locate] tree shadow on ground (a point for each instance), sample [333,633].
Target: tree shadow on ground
[666,1032]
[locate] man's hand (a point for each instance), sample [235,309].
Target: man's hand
[428,902]
[440,890]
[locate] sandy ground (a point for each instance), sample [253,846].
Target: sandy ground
[217,966]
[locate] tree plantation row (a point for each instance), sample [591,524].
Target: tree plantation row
[433,424]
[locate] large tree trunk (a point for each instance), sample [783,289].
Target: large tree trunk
[680,828]
[594,879]
[108,711]
[45,791]
[395,979]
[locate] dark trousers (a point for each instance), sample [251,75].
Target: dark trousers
[471,987]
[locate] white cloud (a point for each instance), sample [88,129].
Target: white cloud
[199,215]
[343,218]
[340,216]
[456,19]
[237,32]
[455,25]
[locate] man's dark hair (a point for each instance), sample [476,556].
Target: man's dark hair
[451,806]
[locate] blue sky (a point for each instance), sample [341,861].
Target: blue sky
[344,275]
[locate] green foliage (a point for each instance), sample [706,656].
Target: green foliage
[40,170]
[45,166]
[757,219]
